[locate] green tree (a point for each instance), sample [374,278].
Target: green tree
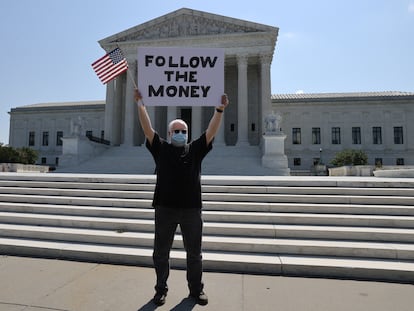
[8,155]
[27,155]
[22,155]
[350,157]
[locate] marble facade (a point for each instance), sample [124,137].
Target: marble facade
[40,126]
[301,124]
[249,49]
[318,126]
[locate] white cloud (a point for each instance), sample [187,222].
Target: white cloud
[411,7]
[288,34]
[300,92]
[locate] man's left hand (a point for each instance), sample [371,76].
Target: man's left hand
[224,102]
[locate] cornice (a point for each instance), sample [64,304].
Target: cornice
[251,44]
[190,26]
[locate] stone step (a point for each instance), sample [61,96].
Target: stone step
[406,192]
[245,229]
[313,226]
[311,232]
[287,265]
[298,198]
[78,185]
[315,208]
[55,196]
[12,186]
[79,178]
[140,207]
[265,181]
[265,217]
[64,200]
[58,192]
[116,224]
[310,219]
[348,268]
[401,251]
[138,160]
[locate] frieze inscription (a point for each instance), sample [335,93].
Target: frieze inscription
[185,26]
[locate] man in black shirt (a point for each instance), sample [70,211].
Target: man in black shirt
[177,196]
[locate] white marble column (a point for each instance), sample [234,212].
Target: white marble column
[242,100]
[265,61]
[130,112]
[219,139]
[117,122]
[109,110]
[171,115]
[151,114]
[196,116]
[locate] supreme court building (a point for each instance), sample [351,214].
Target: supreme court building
[311,126]
[249,49]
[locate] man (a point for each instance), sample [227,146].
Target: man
[177,196]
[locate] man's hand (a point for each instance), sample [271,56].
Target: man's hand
[224,102]
[137,95]
[214,124]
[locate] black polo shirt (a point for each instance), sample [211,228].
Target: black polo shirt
[178,172]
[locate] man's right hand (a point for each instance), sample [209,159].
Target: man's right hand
[137,95]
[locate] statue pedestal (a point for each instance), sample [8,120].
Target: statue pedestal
[274,157]
[77,149]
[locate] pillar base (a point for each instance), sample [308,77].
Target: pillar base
[77,149]
[274,158]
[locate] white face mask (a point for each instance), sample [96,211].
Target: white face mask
[179,139]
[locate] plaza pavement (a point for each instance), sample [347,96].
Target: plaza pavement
[33,284]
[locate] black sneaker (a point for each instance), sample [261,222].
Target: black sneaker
[159,298]
[201,298]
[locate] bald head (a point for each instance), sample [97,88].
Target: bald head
[177,124]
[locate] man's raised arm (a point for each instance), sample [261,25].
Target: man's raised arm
[215,121]
[144,118]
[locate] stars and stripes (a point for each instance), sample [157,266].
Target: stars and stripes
[110,66]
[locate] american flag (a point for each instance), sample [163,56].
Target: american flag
[110,66]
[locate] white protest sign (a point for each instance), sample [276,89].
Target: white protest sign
[169,76]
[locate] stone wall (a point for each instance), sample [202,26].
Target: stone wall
[20,168]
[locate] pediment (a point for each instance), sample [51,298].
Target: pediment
[186,23]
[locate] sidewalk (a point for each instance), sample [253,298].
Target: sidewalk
[32,284]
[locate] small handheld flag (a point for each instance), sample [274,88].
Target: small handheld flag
[111,65]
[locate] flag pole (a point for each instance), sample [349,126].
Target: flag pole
[130,74]
[132,78]
[133,81]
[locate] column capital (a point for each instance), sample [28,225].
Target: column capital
[242,59]
[266,59]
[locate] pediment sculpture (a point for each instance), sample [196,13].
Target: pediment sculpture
[185,25]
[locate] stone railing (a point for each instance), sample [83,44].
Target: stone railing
[98,140]
[20,168]
[396,171]
[352,170]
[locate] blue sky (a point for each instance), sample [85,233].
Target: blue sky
[323,45]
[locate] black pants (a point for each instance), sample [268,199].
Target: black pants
[191,225]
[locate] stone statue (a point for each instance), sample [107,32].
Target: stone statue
[273,124]
[76,126]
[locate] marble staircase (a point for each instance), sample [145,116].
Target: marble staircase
[349,227]
[222,160]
